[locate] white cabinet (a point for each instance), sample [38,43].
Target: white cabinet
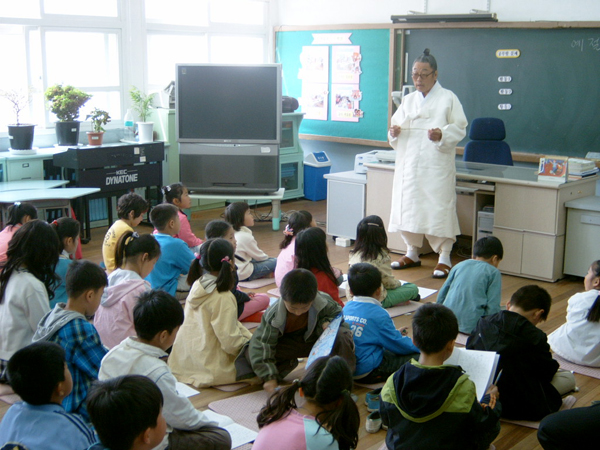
[24,169]
[582,235]
[345,203]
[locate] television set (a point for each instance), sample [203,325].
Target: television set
[228,119]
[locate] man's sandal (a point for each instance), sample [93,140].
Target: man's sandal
[441,268]
[405,263]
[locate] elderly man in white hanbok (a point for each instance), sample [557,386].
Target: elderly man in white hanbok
[425,130]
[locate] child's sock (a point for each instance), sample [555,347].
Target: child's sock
[413,253]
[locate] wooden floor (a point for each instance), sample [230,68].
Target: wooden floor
[511,436]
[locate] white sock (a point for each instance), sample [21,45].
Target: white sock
[413,253]
[445,258]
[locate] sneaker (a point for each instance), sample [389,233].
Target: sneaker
[374,422]
[372,400]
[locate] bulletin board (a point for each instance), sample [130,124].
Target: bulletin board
[372,46]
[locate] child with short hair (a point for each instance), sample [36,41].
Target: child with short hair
[172,266]
[26,286]
[328,418]
[248,304]
[211,336]
[380,348]
[578,340]
[427,403]
[177,194]
[157,317]
[473,287]
[371,247]
[39,375]
[253,262]
[131,208]
[291,326]
[531,383]
[19,214]
[126,412]
[68,231]
[286,260]
[68,326]
[311,254]
[135,258]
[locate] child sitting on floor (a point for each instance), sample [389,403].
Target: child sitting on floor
[578,340]
[18,214]
[39,375]
[371,247]
[328,418]
[291,326]
[127,413]
[135,258]
[131,208]
[211,336]
[286,261]
[426,404]
[68,231]
[531,384]
[253,262]
[177,194]
[248,304]
[473,287]
[170,271]
[157,317]
[380,348]
[68,326]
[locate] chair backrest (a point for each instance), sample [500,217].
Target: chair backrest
[487,144]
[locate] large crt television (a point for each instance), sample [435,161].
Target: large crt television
[228,120]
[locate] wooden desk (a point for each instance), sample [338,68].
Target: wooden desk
[529,216]
[275,198]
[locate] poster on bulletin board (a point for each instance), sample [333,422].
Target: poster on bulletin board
[341,79]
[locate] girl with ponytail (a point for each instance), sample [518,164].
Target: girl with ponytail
[298,221]
[135,257]
[68,231]
[18,214]
[211,336]
[578,340]
[327,419]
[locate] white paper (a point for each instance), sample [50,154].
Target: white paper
[186,390]
[240,434]
[479,365]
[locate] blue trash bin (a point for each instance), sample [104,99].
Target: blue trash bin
[316,165]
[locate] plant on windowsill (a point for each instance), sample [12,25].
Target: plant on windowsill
[142,104]
[65,102]
[98,118]
[20,135]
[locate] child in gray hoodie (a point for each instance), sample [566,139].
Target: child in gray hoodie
[68,326]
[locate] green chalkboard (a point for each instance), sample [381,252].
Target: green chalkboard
[555,100]
[374,81]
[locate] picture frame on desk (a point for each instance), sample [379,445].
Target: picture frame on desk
[554,169]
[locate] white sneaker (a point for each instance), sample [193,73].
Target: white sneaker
[373,424]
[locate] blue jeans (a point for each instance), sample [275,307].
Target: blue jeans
[262,268]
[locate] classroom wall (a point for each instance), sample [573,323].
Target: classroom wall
[319,12]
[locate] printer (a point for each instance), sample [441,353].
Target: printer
[363,158]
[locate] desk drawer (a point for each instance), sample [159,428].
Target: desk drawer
[31,169]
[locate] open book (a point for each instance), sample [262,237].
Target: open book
[479,365]
[240,435]
[324,344]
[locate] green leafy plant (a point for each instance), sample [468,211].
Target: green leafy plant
[66,101]
[19,99]
[98,118]
[142,103]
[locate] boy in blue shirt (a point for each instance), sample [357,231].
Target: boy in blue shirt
[39,375]
[175,255]
[67,325]
[473,287]
[380,348]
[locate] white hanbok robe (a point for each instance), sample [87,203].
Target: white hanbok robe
[424,196]
[578,340]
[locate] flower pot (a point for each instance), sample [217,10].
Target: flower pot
[145,131]
[95,137]
[21,136]
[67,133]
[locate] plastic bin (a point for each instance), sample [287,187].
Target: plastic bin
[316,165]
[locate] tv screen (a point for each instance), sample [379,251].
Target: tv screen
[228,104]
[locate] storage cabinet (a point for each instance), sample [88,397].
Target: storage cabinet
[345,203]
[24,169]
[291,156]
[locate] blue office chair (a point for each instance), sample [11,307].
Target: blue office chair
[487,142]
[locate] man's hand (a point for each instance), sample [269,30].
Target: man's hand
[395,131]
[435,134]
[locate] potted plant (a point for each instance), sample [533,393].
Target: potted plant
[20,134]
[98,118]
[142,103]
[65,102]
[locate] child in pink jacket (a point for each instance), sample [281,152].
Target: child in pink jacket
[177,194]
[135,259]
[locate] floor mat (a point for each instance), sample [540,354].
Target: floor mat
[256,284]
[568,403]
[243,409]
[231,387]
[396,311]
[593,372]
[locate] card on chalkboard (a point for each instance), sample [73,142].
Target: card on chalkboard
[554,168]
